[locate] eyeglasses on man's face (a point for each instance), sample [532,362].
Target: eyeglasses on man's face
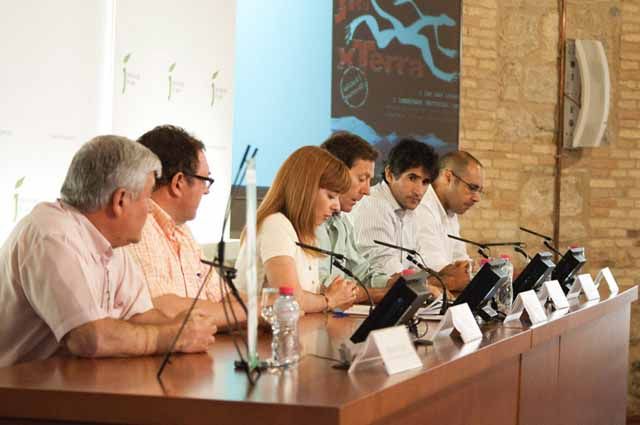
[208,181]
[473,188]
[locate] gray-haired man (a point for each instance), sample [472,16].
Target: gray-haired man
[66,286]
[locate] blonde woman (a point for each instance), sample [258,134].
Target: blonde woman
[303,195]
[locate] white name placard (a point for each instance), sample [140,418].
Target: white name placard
[553,291]
[528,307]
[393,346]
[460,320]
[584,284]
[609,279]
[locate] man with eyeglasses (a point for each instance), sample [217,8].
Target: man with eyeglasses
[167,252]
[459,186]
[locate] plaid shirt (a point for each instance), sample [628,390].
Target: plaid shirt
[170,258]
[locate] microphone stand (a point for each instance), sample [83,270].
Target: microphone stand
[422,267]
[522,251]
[229,274]
[335,261]
[226,274]
[552,248]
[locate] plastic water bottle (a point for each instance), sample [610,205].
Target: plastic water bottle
[285,347]
[504,297]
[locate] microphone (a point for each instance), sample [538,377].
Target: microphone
[490,244]
[322,251]
[522,251]
[546,240]
[336,258]
[388,245]
[552,248]
[478,244]
[422,267]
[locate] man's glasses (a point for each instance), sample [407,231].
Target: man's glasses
[207,180]
[473,188]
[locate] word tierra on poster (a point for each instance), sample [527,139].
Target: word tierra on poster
[395,71]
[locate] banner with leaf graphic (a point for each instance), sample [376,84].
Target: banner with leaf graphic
[185,78]
[396,69]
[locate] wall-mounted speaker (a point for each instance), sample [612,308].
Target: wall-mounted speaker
[587,90]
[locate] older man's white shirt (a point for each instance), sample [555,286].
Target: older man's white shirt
[434,224]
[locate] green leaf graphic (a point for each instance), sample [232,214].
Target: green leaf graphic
[172,67]
[215,74]
[126,58]
[19,182]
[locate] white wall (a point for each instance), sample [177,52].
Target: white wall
[61,82]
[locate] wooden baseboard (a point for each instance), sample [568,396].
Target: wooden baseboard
[633,420]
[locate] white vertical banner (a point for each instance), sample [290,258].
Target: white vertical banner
[174,64]
[252,279]
[53,68]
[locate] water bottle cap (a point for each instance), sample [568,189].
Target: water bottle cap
[408,272]
[505,257]
[286,290]
[484,261]
[574,246]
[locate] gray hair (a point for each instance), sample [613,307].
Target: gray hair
[103,165]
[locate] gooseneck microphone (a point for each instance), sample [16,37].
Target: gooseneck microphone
[522,251]
[478,244]
[322,251]
[400,248]
[335,260]
[422,266]
[540,235]
[546,240]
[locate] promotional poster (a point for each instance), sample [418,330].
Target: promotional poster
[396,71]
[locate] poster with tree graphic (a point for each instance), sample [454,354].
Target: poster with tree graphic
[396,69]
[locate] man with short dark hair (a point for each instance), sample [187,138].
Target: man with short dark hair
[337,233]
[459,186]
[65,283]
[388,213]
[167,252]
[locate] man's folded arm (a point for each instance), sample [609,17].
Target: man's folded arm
[144,334]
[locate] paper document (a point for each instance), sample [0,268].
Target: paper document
[358,310]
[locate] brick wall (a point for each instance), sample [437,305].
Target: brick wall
[508,119]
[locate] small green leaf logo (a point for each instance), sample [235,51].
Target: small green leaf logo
[124,71]
[213,87]
[19,182]
[171,68]
[16,197]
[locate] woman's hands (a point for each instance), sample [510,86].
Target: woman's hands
[341,294]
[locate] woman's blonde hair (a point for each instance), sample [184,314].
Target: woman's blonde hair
[295,188]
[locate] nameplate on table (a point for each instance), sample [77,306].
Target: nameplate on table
[609,279]
[392,345]
[584,285]
[460,321]
[527,306]
[552,290]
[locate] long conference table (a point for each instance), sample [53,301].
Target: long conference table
[569,370]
